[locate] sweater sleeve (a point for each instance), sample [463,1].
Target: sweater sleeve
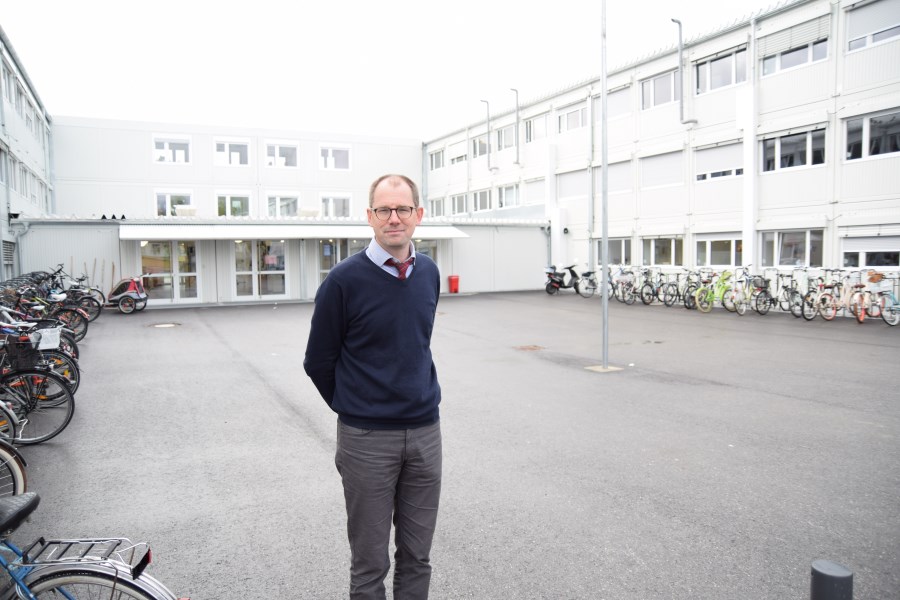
[326,338]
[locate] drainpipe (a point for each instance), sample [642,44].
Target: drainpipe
[681,76]
[488,135]
[16,235]
[517,124]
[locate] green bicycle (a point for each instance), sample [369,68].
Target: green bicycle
[712,290]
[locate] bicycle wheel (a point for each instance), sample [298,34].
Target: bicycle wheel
[65,366]
[690,301]
[741,304]
[41,401]
[647,293]
[100,296]
[91,306]
[810,306]
[94,582]
[827,306]
[585,288]
[68,345]
[728,299]
[670,294]
[873,307]
[12,471]
[74,321]
[796,304]
[629,293]
[763,302]
[890,311]
[704,299]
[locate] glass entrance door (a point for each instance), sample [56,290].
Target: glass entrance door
[259,269]
[170,270]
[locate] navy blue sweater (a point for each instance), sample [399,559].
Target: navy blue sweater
[369,349]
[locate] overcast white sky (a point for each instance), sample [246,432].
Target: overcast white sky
[399,68]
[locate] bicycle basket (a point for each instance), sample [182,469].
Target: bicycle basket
[760,283]
[23,350]
[49,338]
[875,276]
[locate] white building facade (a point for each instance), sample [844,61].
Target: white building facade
[775,144]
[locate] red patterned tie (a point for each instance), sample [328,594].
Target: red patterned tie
[400,266]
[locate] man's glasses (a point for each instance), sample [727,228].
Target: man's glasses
[384,213]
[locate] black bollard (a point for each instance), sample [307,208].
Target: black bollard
[830,581]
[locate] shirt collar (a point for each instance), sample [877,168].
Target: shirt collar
[379,255]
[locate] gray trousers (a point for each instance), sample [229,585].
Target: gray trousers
[390,476]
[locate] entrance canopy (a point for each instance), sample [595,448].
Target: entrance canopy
[254,231]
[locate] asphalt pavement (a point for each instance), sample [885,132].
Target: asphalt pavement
[725,456]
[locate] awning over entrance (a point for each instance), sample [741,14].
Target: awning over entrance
[281,231]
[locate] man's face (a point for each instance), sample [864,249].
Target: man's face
[394,232]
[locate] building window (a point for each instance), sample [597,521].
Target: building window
[480,146]
[232,154]
[794,150]
[457,153]
[168,279]
[808,53]
[335,206]
[8,81]
[436,207]
[481,200]
[719,253]
[167,203]
[436,159]
[507,196]
[879,259]
[282,206]
[659,90]
[506,137]
[619,251]
[873,135]
[536,128]
[662,252]
[334,159]
[873,23]
[718,162]
[259,268]
[172,150]
[281,155]
[458,203]
[572,119]
[792,248]
[234,206]
[721,71]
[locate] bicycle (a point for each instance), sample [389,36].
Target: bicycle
[676,291]
[713,289]
[819,301]
[887,301]
[73,568]
[788,297]
[864,302]
[624,288]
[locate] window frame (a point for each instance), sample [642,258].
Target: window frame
[810,150]
[280,198]
[436,159]
[503,193]
[563,118]
[705,66]
[536,128]
[865,140]
[810,58]
[223,159]
[481,145]
[675,89]
[327,163]
[277,146]
[436,207]
[327,200]
[169,208]
[481,200]
[778,242]
[624,251]
[676,250]
[229,196]
[455,201]
[167,140]
[506,137]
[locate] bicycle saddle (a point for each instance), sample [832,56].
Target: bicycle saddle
[15,509]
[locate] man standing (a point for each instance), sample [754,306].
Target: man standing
[369,355]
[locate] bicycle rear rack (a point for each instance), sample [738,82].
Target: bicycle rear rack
[119,553]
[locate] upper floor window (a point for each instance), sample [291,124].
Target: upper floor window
[436,159]
[232,153]
[334,158]
[507,196]
[8,81]
[873,135]
[721,161]
[571,119]
[873,23]
[536,128]
[480,146]
[812,52]
[618,103]
[436,207]
[234,205]
[172,150]
[458,204]
[721,71]
[794,150]
[659,90]
[282,205]
[281,155]
[457,152]
[506,137]
[167,203]
[335,206]
[481,200]
[20,101]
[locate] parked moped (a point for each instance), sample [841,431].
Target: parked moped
[557,280]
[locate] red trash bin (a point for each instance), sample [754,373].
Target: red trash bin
[453,281]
